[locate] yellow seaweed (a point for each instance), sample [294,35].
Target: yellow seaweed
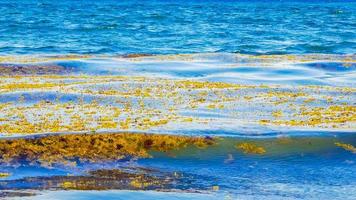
[347,147]
[65,149]
[249,148]
[4,174]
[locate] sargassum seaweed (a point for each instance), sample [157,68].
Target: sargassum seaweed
[72,148]
[249,148]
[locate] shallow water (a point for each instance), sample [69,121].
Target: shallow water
[286,105]
[177,100]
[199,94]
[292,168]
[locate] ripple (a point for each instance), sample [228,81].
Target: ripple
[156,27]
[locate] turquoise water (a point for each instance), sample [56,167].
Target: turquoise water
[283,58]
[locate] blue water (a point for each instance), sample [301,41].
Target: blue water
[218,39]
[161,27]
[314,169]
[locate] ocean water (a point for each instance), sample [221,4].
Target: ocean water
[277,75]
[172,27]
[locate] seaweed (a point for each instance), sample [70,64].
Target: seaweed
[347,147]
[249,148]
[70,149]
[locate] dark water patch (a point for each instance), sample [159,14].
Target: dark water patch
[108,179]
[10,194]
[31,69]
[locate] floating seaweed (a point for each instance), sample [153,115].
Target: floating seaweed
[347,147]
[102,179]
[4,174]
[72,148]
[250,148]
[143,103]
